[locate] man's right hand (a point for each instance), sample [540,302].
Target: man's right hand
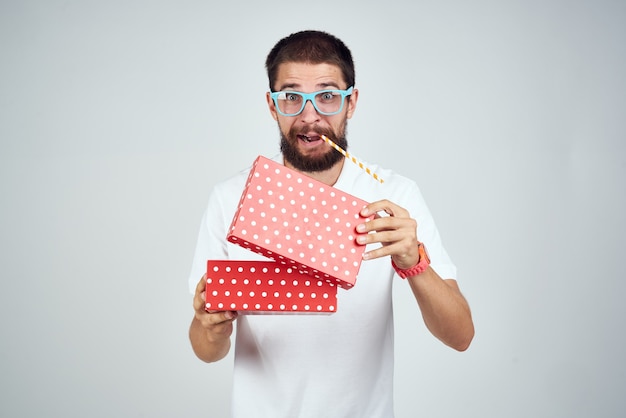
[210,331]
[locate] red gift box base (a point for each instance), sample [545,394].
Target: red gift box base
[258,287]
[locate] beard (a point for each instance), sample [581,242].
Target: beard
[312,163]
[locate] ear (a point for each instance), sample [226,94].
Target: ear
[271,105]
[352,102]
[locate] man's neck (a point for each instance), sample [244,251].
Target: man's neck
[328,177]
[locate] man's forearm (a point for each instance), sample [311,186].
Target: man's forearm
[445,311]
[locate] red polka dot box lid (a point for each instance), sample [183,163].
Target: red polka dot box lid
[300,222]
[261,287]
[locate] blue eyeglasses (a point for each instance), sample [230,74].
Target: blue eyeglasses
[326,102]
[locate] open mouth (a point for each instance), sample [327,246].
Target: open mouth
[309,139]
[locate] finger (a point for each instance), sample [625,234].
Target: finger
[388,223]
[401,251]
[199,297]
[201,286]
[223,316]
[215,319]
[385,206]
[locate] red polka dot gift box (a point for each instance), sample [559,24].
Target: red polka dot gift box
[300,222]
[251,287]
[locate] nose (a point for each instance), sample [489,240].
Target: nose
[309,114]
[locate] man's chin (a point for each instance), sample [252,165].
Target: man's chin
[311,163]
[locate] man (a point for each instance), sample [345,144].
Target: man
[338,365]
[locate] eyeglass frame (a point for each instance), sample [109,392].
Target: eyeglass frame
[309,97]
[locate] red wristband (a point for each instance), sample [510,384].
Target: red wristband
[419,268]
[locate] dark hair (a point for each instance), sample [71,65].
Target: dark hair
[314,47]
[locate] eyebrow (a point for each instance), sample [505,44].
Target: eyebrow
[321,86]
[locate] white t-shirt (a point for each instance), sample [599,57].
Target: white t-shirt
[338,365]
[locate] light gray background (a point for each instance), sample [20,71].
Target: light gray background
[117,117]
